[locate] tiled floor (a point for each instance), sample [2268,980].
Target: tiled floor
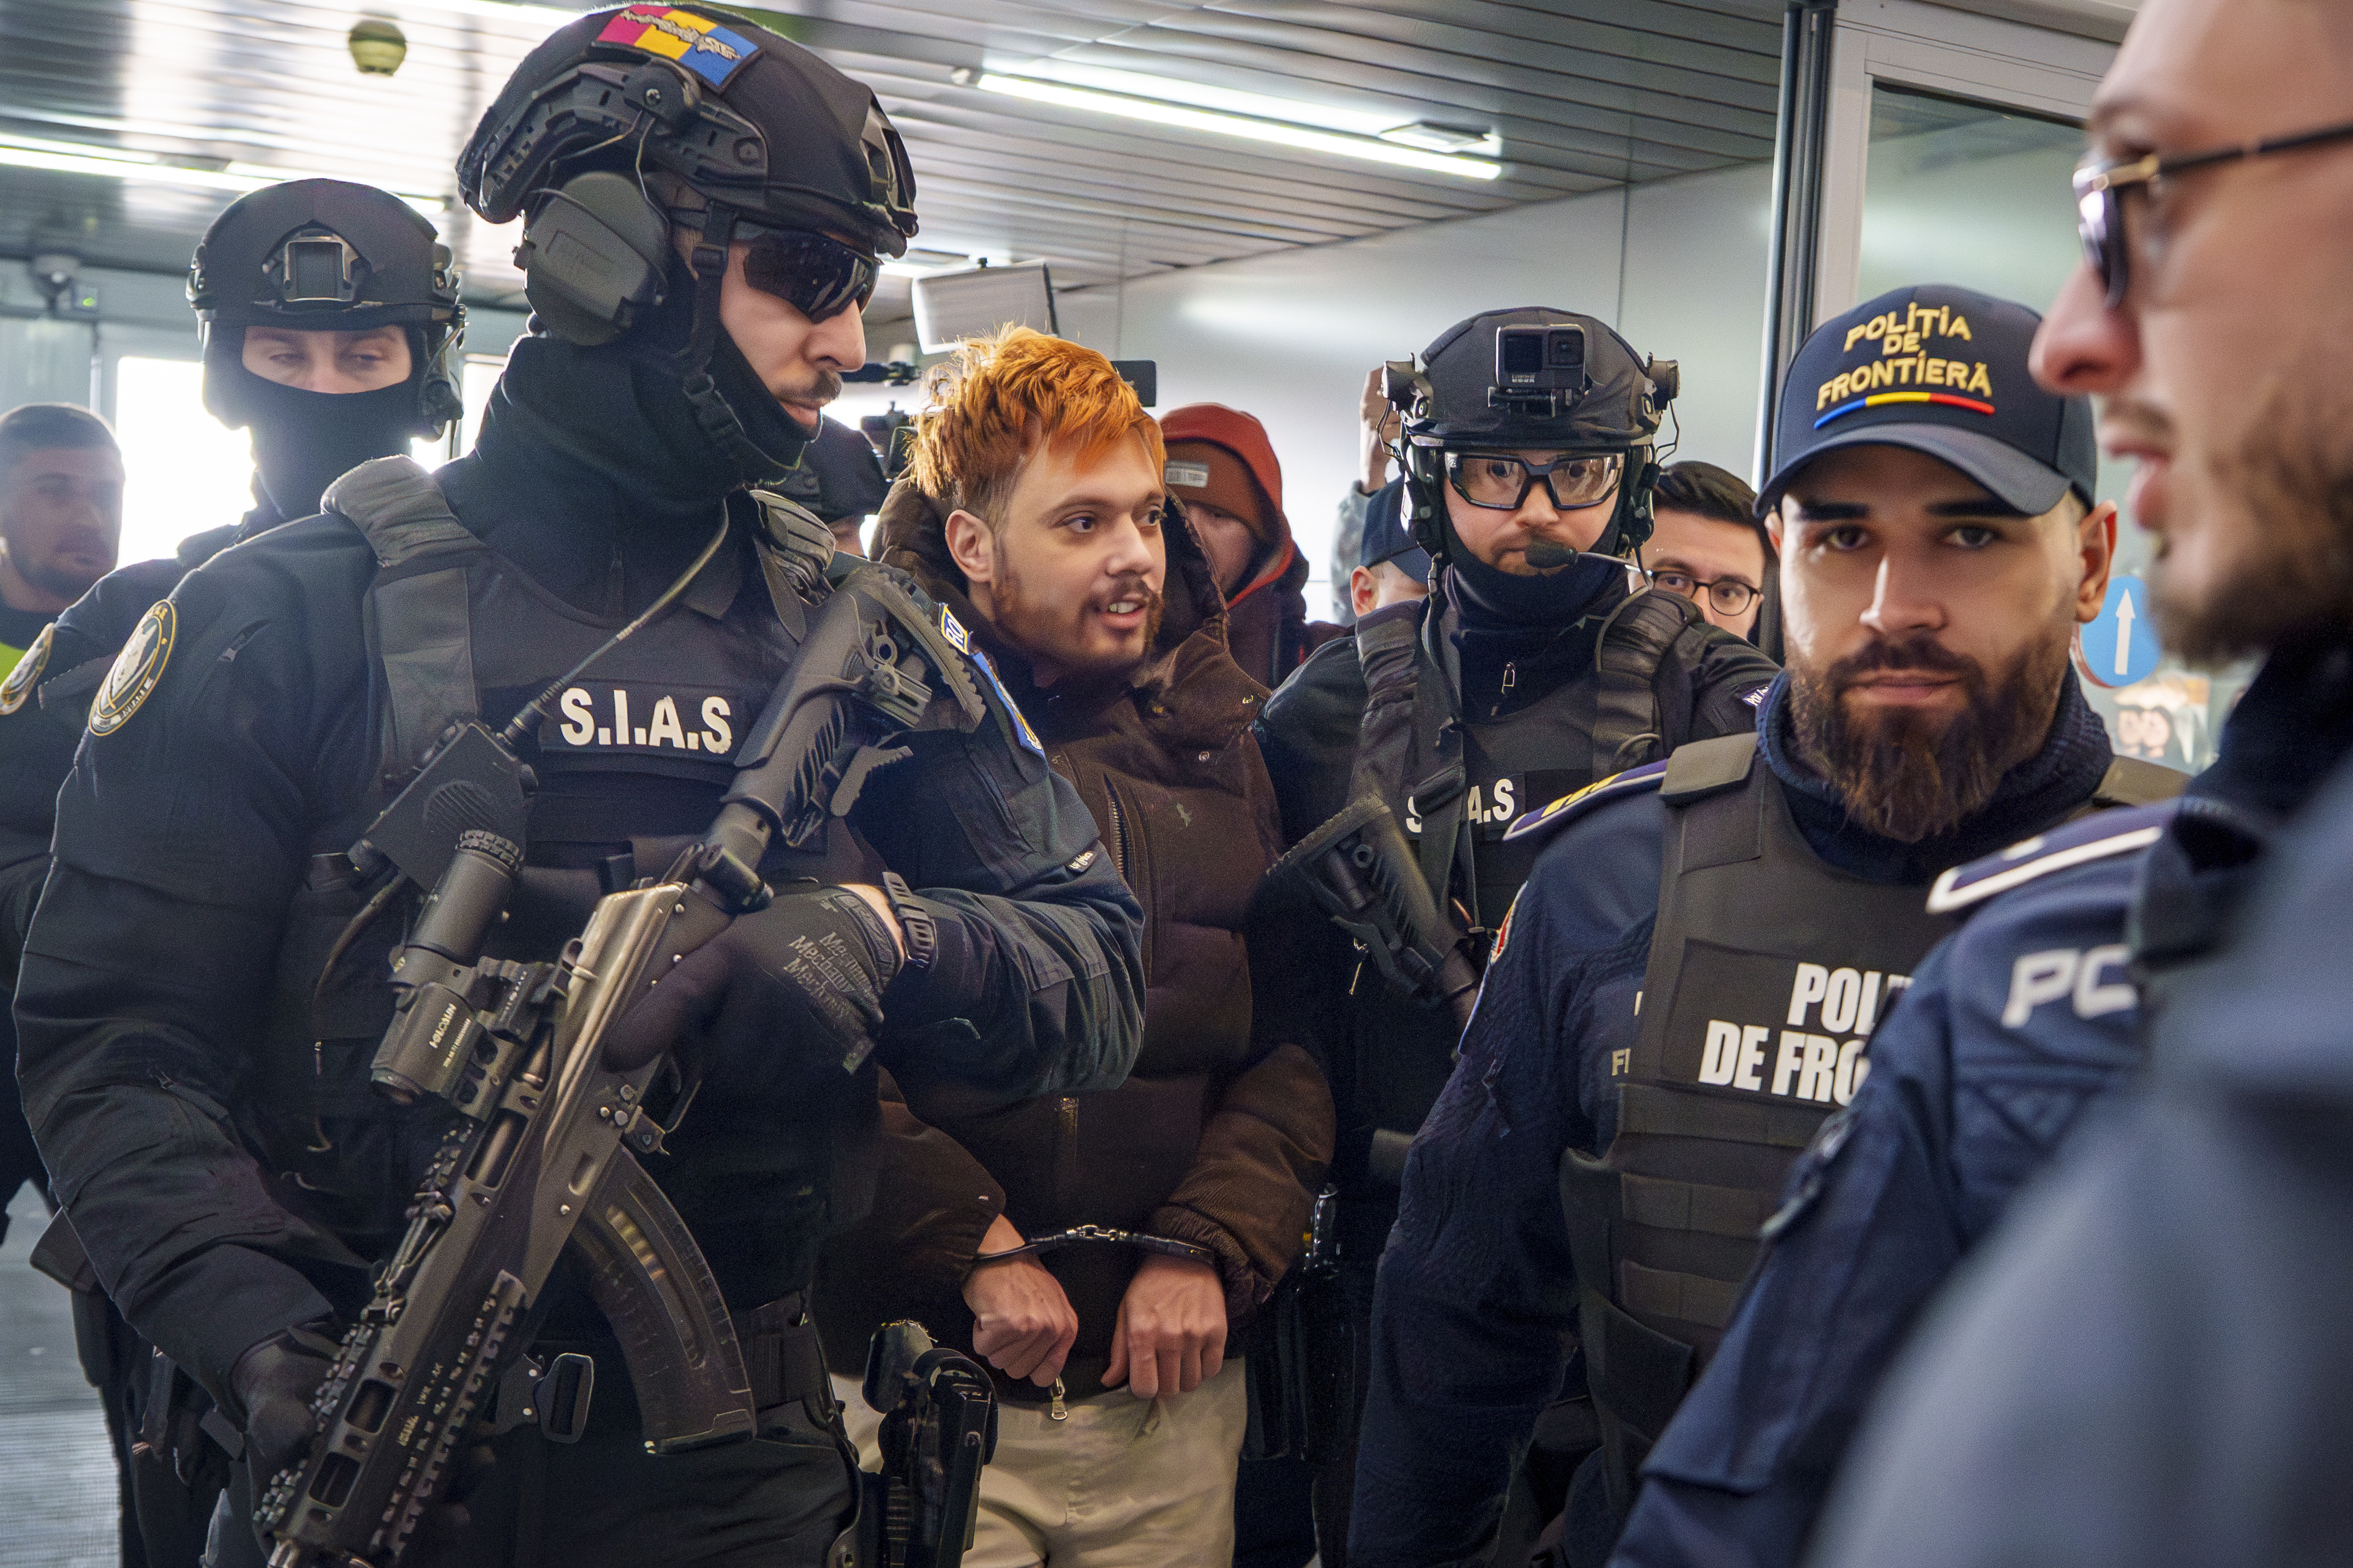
[57,1479]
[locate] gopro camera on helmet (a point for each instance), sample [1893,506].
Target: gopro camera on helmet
[1538,369]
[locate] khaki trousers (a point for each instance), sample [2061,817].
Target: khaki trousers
[1122,1484]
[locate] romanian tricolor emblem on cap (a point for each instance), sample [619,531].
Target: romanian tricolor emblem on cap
[1877,398]
[700,45]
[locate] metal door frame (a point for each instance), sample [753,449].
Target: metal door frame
[1824,152]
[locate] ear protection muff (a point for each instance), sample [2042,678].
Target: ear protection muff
[595,258]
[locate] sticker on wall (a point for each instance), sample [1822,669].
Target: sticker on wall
[2120,647]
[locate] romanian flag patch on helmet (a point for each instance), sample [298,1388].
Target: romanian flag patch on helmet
[700,45]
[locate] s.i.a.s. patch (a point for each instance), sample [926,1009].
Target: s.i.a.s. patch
[136,669]
[17,689]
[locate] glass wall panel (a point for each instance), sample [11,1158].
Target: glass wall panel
[1962,193]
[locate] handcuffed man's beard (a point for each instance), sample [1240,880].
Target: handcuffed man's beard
[2285,490]
[1908,774]
[1056,632]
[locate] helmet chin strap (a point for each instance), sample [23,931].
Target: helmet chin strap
[712,412]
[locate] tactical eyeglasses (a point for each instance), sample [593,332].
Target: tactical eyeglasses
[814,273]
[1730,596]
[2100,187]
[1502,481]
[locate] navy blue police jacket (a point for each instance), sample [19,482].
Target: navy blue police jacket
[2146,1365]
[2013,1028]
[150,1003]
[1477,1296]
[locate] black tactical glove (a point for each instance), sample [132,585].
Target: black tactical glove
[803,976]
[272,1385]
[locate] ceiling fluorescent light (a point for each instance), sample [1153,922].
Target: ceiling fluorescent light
[123,163]
[1435,138]
[1201,95]
[1250,129]
[121,166]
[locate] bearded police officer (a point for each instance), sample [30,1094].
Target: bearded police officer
[205,981]
[331,322]
[1533,668]
[1688,978]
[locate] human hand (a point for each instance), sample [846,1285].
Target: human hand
[1022,1323]
[808,970]
[1378,417]
[1171,1334]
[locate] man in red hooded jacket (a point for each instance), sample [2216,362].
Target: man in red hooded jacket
[1222,468]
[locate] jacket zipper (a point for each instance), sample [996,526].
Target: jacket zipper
[1118,832]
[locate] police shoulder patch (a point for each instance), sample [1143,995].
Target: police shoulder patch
[17,689]
[1569,808]
[2095,837]
[136,669]
[1029,737]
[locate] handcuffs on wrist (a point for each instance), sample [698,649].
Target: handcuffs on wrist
[1102,1235]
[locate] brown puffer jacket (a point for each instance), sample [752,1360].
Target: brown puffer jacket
[1217,1138]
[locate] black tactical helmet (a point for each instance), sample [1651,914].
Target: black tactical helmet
[743,117]
[317,255]
[1532,379]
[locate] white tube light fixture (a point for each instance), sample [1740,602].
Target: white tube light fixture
[1160,113]
[123,163]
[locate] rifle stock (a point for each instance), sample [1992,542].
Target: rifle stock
[1358,870]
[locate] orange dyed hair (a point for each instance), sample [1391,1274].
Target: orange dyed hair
[1006,395]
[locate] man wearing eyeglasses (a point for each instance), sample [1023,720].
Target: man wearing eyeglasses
[1707,545]
[2148,1366]
[1686,986]
[1539,662]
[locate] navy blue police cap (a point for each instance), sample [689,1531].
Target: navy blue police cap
[1387,537]
[1941,370]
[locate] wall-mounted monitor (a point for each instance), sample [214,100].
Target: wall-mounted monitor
[953,306]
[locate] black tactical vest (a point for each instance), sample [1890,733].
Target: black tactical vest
[1457,787]
[631,762]
[1768,970]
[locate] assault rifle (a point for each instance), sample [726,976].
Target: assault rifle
[541,1156]
[1358,870]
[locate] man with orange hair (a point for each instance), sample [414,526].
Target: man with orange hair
[1102,1253]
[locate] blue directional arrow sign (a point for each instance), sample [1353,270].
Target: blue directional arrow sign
[2120,647]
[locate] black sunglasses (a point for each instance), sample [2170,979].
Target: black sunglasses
[2099,188]
[814,273]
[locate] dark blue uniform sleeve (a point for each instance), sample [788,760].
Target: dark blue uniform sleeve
[1038,985]
[2010,1029]
[1476,1291]
[182,841]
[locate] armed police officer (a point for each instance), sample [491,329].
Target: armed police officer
[1685,986]
[1532,670]
[704,204]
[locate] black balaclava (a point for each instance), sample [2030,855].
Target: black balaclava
[1544,628]
[591,472]
[304,441]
